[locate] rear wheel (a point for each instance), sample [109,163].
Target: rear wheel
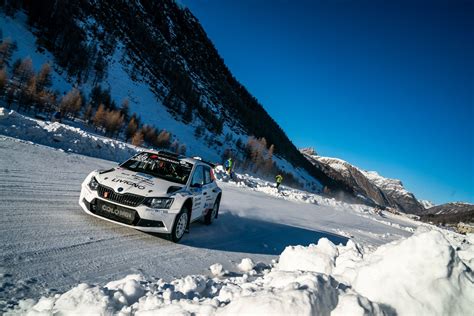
[212,214]
[179,226]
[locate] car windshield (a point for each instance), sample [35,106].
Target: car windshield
[155,165]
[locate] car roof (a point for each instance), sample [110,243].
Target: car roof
[168,154]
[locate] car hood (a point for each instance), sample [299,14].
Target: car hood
[125,181]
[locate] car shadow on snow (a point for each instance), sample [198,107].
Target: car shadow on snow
[242,234]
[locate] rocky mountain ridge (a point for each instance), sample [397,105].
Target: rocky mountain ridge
[368,185]
[450,213]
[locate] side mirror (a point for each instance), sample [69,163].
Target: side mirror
[196,185]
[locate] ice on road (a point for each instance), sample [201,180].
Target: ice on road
[48,244]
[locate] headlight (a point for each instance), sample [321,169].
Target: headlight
[159,203]
[93,184]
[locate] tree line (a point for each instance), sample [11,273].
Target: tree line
[32,91]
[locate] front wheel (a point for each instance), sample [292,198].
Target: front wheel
[212,213]
[179,226]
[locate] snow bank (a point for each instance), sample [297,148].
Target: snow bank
[246,265]
[419,275]
[64,137]
[216,269]
[316,258]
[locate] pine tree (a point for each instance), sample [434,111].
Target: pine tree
[44,79]
[99,68]
[164,139]
[199,131]
[125,109]
[16,65]
[149,134]
[3,80]
[268,166]
[30,91]
[24,72]
[113,122]
[6,51]
[137,139]
[188,114]
[10,97]
[107,100]
[88,114]
[99,117]
[238,143]
[174,146]
[71,103]
[131,128]
[96,96]
[45,100]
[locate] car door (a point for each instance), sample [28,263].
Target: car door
[208,189]
[196,188]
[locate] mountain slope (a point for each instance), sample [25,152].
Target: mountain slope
[158,56]
[367,184]
[451,213]
[396,192]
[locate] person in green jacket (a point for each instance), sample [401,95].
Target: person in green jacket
[279,180]
[228,166]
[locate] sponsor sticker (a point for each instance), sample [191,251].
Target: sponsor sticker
[130,183]
[144,175]
[116,211]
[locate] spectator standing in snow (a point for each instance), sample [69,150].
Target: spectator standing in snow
[228,166]
[279,180]
[58,117]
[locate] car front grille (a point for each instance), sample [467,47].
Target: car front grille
[125,199]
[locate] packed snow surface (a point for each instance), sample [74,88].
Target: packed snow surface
[271,251]
[419,275]
[48,245]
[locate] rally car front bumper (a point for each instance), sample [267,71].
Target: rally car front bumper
[141,217]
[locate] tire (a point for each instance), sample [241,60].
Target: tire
[179,226]
[212,214]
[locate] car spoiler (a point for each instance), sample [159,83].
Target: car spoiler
[168,154]
[213,165]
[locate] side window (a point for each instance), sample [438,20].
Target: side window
[198,176]
[207,175]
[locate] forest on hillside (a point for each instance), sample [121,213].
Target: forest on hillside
[170,50]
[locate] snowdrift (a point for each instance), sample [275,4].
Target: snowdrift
[63,137]
[424,274]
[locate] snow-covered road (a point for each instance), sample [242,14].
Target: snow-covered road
[48,244]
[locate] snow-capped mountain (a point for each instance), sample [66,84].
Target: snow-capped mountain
[394,189]
[367,184]
[427,204]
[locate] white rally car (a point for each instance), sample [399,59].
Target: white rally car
[156,192]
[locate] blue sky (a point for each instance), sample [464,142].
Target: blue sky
[387,86]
